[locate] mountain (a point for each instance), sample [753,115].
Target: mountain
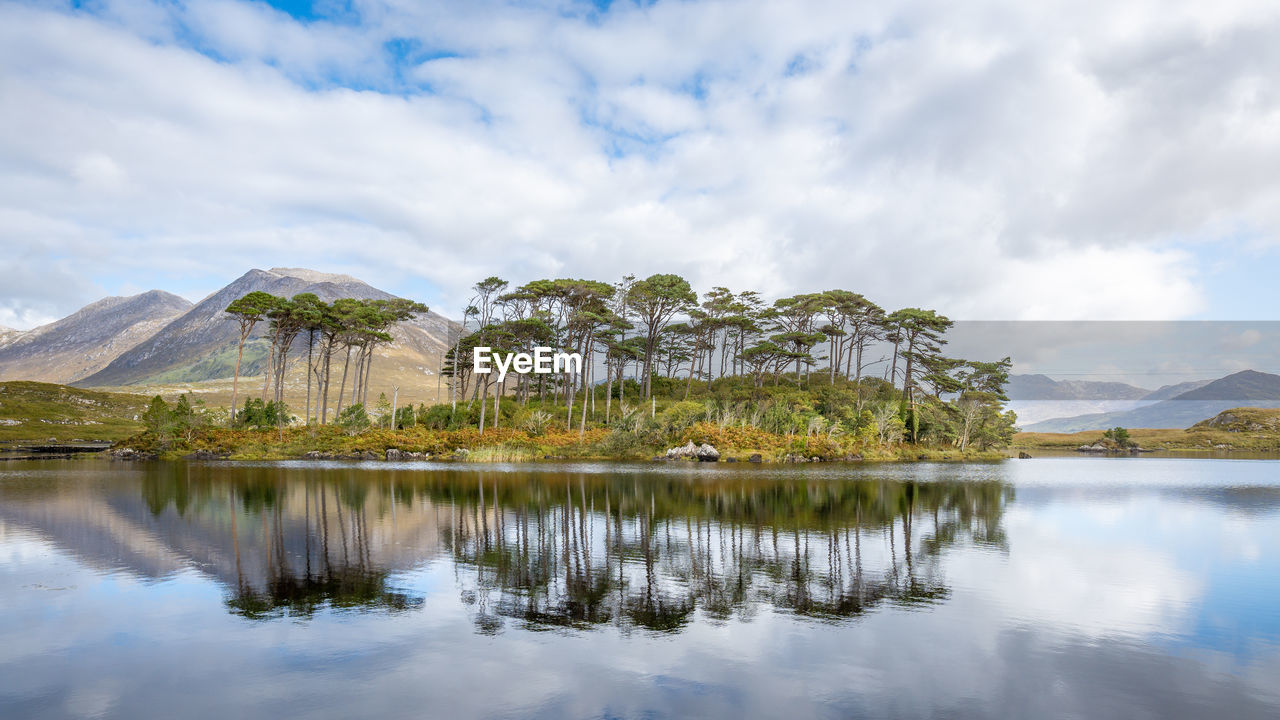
[88,340]
[1166,392]
[1248,387]
[1043,387]
[1036,398]
[201,344]
[8,335]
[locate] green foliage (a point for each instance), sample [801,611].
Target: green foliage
[262,416]
[353,419]
[630,418]
[1120,436]
[405,418]
[623,444]
[158,419]
[382,411]
[436,417]
[675,419]
[189,418]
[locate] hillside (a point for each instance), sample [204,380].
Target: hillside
[1036,398]
[1165,392]
[86,341]
[1043,387]
[43,411]
[1247,429]
[1247,387]
[1243,420]
[200,345]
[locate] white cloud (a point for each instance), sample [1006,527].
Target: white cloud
[993,161]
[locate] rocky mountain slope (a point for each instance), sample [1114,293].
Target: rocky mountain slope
[201,343]
[88,340]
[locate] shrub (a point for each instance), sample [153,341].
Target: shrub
[263,416]
[630,418]
[619,443]
[679,417]
[436,417]
[353,419]
[1120,436]
[536,422]
[158,419]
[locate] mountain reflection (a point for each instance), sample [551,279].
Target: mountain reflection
[540,548]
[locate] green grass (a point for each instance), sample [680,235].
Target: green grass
[1247,429]
[34,411]
[219,364]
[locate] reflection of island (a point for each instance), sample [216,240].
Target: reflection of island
[578,550]
[545,548]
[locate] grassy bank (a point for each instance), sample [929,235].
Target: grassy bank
[510,445]
[1241,429]
[34,411]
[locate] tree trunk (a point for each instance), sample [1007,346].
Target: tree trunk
[235,380]
[324,382]
[342,386]
[368,373]
[608,393]
[582,429]
[311,342]
[267,371]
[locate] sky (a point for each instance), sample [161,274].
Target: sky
[992,160]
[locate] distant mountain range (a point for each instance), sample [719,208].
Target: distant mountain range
[1171,406]
[160,338]
[1043,387]
[89,339]
[1040,398]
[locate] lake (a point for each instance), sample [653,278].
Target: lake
[1051,587]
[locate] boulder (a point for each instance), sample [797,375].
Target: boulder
[688,451]
[755,458]
[1023,456]
[394,454]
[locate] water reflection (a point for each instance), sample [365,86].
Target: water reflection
[1138,588]
[541,548]
[581,550]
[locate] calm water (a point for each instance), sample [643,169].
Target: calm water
[1055,587]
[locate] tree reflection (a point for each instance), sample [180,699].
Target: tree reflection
[587,550]
[548,550]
